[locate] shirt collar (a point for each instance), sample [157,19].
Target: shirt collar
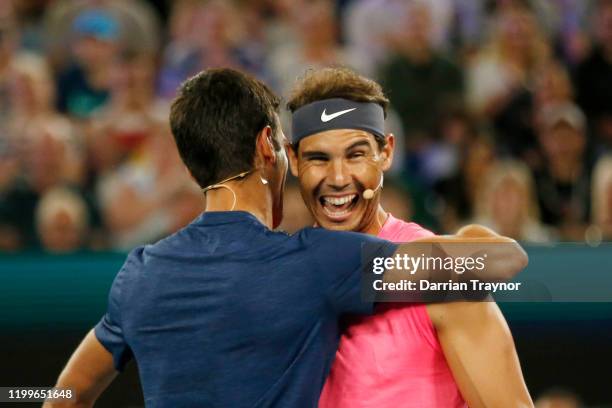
[226,217]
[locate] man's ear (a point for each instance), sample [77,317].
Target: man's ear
[293,159]
[387,152]
[264,147]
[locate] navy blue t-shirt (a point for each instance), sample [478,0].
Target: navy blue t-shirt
[227,313]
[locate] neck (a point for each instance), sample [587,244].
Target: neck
[249,194]
[376,222]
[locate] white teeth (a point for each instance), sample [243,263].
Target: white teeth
[335,214]
[339,200]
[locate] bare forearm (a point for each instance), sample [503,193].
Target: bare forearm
[88,372]
[501,259]
[480,351]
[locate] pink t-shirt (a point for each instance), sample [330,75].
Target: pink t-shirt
[392,359]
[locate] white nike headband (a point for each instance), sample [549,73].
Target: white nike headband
[337,113]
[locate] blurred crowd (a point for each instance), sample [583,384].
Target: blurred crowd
[502,109]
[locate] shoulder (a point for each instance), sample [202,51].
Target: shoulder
[343,246]
[416,230]
[397,230]
[132,265]
[322,235]
[186,240]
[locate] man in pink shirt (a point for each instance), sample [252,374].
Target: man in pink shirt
[406,355]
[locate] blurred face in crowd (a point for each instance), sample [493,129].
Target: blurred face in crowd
[61,232]
[134,73]
[334,169]
[216,23]
[316,22]
[94,53]
[552,85]
[44,156]
[508,202]
[563,143]
[516,28]
[417,27]
[32,91]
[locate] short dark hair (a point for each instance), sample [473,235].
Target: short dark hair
[337,82]
[215,120]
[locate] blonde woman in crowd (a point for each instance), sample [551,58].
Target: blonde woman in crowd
[508,203]
[506,65]
[62,220]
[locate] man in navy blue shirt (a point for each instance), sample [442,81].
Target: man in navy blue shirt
[227,312]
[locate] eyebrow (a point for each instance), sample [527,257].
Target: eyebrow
[358,143]
[315,153]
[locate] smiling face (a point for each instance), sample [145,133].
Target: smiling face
[334,169]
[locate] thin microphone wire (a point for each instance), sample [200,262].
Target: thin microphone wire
[222,185]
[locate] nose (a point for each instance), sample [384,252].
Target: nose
[338,176]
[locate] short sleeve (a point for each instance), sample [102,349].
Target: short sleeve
[342,257]
[109,330]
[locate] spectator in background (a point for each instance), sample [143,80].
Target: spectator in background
[161,196]
[35,123]
[207,35]
[502,69]
[507,203]
[594,78]
[552,86]
[602,197]
[516,125]
[457,194]
[566,23]
[83,86]
[61,221]
[367,26]
[117,131]
[179,56]
[43,145]
[132,114]
[134,160]
[139,28]
[420,81]
[563,184]
[317,35]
